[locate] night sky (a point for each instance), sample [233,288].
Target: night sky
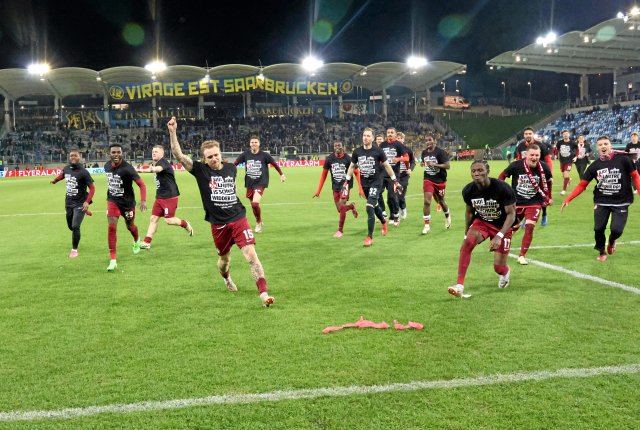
[105,33]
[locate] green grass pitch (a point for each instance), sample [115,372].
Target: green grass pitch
[163,326]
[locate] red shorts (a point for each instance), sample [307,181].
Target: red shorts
[250,191]
[238,232]
[528,212]
[113,210]
[565,167]
[489,230]
[165,207]
[433,188]
[337,196]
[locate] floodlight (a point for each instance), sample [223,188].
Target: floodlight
[38,68]
[415,62]
[156,66]
[620,15]
[634,11]
[312,63]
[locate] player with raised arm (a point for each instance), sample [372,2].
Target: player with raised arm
[338,163]
[121,200]
[166,196]
[217,184]
[490,213]
[77,199]
[531,181]
[371,160]
[436,163]
[612,195]
[256,178]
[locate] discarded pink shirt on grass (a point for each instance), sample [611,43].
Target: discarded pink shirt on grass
[363,323]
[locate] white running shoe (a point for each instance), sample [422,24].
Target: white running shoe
[457,290]
[113,265]
[145,245]
[189,228]
[523,261]
[258,228]
[447,222]
[231,286]
[503,280]
[426,229]
[403,213]
[267,300]
[563,192]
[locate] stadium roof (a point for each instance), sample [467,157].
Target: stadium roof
[68,81]
[611,45]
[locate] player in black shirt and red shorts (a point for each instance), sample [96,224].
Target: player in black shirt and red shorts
[217,184]
[521,149]
[256,178]
[436,163]
[490,213]
[567,153]
[371,160]
[77,198]
[338,163]
[121,200]
[166,196]
[531,181]
[612,195]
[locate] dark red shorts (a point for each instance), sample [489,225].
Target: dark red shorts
[238,232]
[565,167]
[337,195]
[250,191]
[489,230]
[528,212]
[113,210]
[165,207]
[433,188]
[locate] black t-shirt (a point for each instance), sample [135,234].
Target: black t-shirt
[369,161]
[521,149]
[166,186]
[391,150]
[634,150]
[338,167]
[488,204]
[613,180]
[583,152]
[120,181]
[218,193]
[567,151]
[527,194]
[77,180]
[412,162]
[256,168]
[437,156]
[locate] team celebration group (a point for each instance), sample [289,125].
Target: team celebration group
[495,210]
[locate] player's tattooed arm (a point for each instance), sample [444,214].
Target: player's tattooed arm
[186,161]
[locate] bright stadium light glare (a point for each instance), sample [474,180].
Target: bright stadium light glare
[311,63]
[38,68]
[548,38]
[416,62]
[620,15]
[634,11]
[156,66]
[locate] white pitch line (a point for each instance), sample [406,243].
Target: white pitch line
[275,396]
[579,245]
[582,275]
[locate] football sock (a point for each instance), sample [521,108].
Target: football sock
[112,238]
[544,211]
[183,224]
[261,283]
[225,275]
[148,239]
[343,215]
[465,257]
[257,212]
[501,269]
[427,219]
[527,238]
[133,229]
[371,221]
[446,213]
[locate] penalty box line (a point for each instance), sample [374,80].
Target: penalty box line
[580,275]
[276,396]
